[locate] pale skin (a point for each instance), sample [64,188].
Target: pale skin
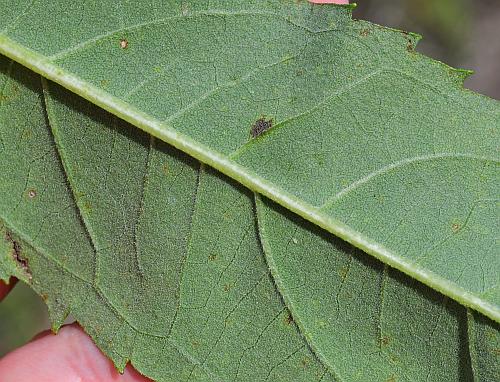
[69,356]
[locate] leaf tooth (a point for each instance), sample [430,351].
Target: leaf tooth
[119,361]
[461,74]
[58,311]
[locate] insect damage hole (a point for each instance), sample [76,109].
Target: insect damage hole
[123,43]
[260,126]
[31,194]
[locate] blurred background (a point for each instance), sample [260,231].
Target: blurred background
[462,33]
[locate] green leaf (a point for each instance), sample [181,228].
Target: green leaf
[174,267]
[369,140]
[171,266]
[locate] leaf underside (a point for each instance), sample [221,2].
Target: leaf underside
[186,273]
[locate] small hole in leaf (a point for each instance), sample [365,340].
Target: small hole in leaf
[123,43]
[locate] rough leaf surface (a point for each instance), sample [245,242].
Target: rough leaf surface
[185,272]
[391,153]
[176,268]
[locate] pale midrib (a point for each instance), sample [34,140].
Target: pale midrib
[246,177]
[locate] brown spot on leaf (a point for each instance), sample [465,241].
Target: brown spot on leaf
[165,169]
[212,257]
[410,47]
[289,319]
[227,287]
[31,193]
[16,254]
[364,32]
[392,379]
[260,126]
[384,341]
[123,43]
[455,227]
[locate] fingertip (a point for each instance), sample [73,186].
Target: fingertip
[68,356]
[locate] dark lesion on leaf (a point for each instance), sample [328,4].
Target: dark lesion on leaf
[410,46]
[16,253]
[261,126]
[289,319]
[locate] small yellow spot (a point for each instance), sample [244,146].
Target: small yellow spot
[165,169]
[305,361]
[87,206]
[123,43]
[343,272]
[295,241]
[394,359]
[26,134]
